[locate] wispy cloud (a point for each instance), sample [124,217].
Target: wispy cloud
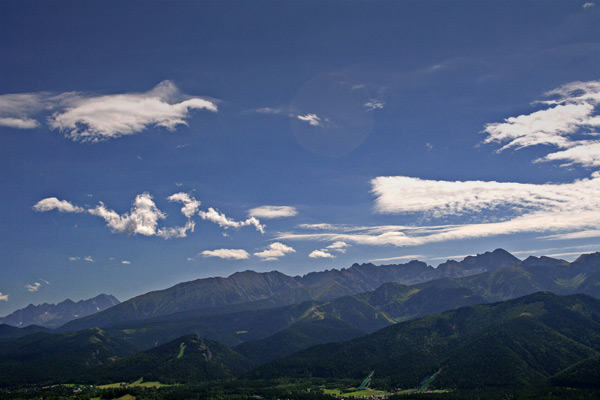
[52,203]
[270,212]
[126,262]
[269,110]
[374,104]
[227,254]
[399,258]
[401,194]
[506,208]
[92,118]
[274,252]
[321,254]
[74,258]
[589,4]
[34,287]
[224,222]
[88,259]
[3,297]
[338,246]
[569,119]
[574,235]
[312,119]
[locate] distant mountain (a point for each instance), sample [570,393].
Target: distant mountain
[250,290]
[52,316]
[520,342]
[44,358]
[183,360]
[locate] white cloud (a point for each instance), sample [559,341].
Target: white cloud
[52,203]
[74,258]
[589,4]
[144,216]
[88,259]
[586,153]
[142,219]
[228,254]
[570,116]
[574,235]
[125,262]
[374,104]
[270,212]
[3,297]
[16,110]
[274,252]
[321,254]
[224,222]
[339,246]
[519,208]
[190,204]
[269,110]
[92,118]
[400,194]
[96,118]
[312,119]
[399,258]
[33,287]
[19,123]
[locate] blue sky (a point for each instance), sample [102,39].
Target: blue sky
[148,143]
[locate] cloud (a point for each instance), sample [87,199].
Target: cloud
[33,287]
[16,110]
[401,195]
[74,258]
[144,216]
[228,254]
[125,262]
[321,254]
[269,110]
[19,123]
[190,204]
[312,119]
[569,119]
[52,203]
[3,297]
[88,259]
[408,257]
[374,104]
[504,208]
[92,118]
[589,4]
[274,252]
[270,212]
[97,118]
[574,235]
[224,222]
[339,246]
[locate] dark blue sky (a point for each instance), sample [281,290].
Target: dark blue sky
[302,106]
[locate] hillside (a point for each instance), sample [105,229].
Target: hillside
[519,342]
[44,358]
[183,360]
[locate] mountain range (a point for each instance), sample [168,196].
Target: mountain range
[492,305]
[55,315]
[250,290]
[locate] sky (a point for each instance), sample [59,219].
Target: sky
[146,143]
